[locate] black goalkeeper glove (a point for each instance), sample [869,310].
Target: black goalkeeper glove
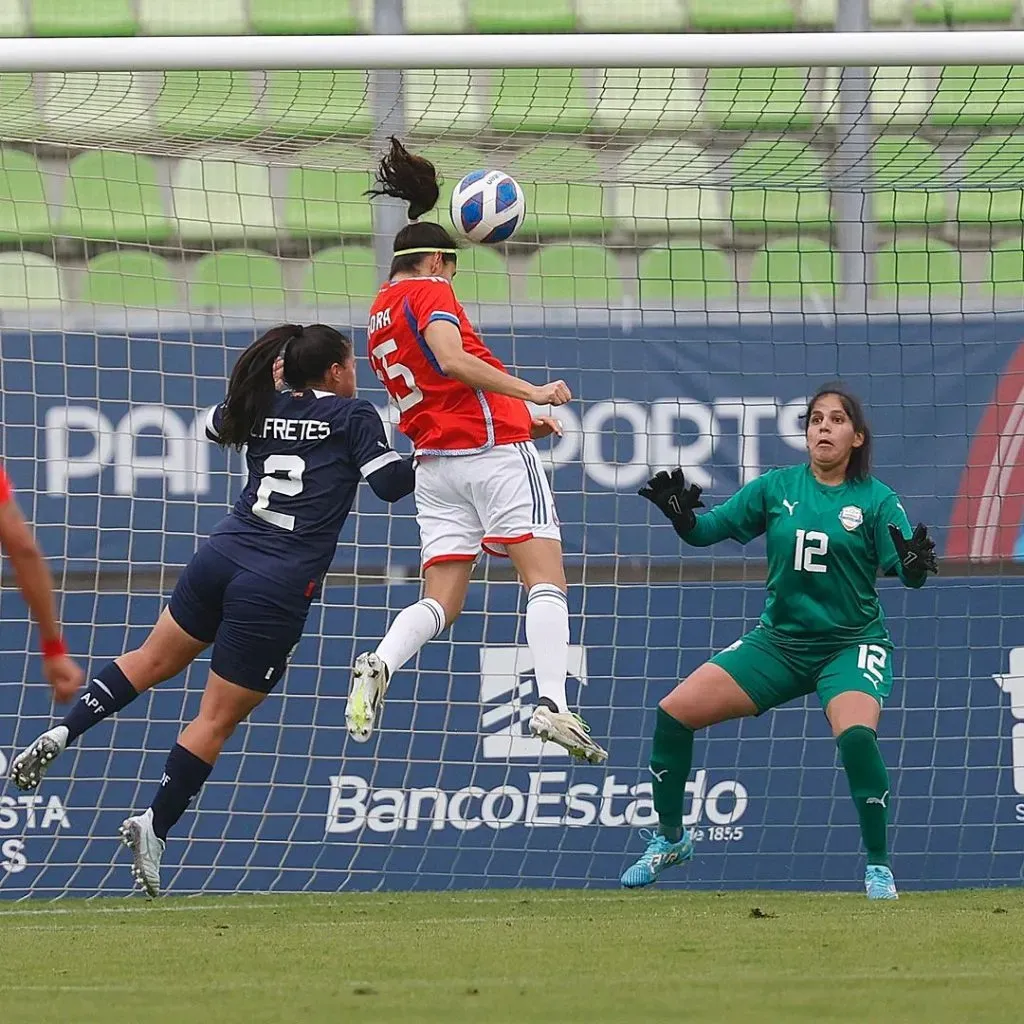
[917,555]
[675,498]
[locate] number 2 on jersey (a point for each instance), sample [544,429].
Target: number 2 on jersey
[289,485]
[810,544]
[378,357]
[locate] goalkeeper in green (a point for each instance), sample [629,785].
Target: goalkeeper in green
[830,527]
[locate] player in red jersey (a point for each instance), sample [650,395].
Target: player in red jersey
[36,586]
[479,482]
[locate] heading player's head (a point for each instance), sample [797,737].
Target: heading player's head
[425,249]
[316,356]
[837,432]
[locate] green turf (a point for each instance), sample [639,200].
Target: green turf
[518,956]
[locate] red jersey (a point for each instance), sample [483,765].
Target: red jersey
[440,415]
[6,489]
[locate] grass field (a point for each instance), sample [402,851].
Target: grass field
[518,956]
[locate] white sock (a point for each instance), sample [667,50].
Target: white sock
[413,627]
[547,634]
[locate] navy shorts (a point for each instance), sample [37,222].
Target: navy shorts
[253,622]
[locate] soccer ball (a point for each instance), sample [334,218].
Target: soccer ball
[488,206]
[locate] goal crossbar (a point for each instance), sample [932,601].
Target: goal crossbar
[240,53]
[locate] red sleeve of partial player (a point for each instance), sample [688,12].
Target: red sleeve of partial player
[6,488]
[433,299]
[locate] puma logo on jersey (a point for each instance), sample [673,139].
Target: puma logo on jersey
[790,505]
[880,800]
[660,776]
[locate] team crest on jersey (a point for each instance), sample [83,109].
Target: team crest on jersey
[851,517]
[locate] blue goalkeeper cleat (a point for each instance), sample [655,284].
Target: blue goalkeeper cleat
[879,883]
[660,854]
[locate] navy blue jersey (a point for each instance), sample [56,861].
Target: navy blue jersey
[305,461]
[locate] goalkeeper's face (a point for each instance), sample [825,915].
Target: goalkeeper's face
[831,434]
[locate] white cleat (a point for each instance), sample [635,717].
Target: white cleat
[366,697]
[568,730]
[147,850]
[29,767]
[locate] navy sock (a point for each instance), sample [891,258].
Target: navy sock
[108,691]
[184,775]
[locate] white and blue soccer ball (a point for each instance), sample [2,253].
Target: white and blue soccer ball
[488,206]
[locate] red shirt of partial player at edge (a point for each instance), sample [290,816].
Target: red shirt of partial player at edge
[440,415]
[6,490]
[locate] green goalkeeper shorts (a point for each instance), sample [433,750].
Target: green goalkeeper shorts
[772,674]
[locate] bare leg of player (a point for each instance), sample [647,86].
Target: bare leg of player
[444,593]
[188,766]
[539,564]
[167,651]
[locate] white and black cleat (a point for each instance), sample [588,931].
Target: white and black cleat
[147,849]
[370,679]
[568,730]
[29,767]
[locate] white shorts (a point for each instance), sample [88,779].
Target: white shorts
[466,503]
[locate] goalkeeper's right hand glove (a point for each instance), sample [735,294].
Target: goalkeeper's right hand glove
[676,499]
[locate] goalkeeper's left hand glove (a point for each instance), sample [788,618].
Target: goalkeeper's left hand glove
[916,555]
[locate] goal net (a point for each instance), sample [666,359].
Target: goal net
[703,248]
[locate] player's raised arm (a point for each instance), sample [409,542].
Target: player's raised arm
[445,341]
[389,475]
[741,518]
[902,552]
[36,586]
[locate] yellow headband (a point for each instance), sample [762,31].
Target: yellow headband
[425,248]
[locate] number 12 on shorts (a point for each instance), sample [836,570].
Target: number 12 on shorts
[871,661]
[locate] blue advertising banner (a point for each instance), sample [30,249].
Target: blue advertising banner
[453,792]
[103,434]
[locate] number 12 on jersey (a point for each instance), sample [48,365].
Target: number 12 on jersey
[810,544]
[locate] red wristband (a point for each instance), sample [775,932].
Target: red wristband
[55,648]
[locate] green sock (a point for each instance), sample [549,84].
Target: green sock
[869,787]
[671,756]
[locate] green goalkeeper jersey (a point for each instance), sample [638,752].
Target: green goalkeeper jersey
[825,547]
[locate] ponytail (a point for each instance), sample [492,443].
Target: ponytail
[309,352]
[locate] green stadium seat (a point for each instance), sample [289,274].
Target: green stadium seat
[979,96]
[522,16]
[573,273]
[222,199]
[991,181]
[787,186]
[686,278]
[615,16]
[305,17]
[317,104]
[887,12]
[650,205]
[964,12]
[741,15]
[435,17]
[322,201]
[17,100]
[112,196]
[546,100]
[83,18]
[28,280]
[1006,271]
[646,100]
[193,17]
[207,104]
[482,276]
[133,278]
[822,13]
[341,275]
[917,268]
[909,175]
[112,106]
[237,280]
[573,207]
[444,102]
[900,97]
[13,19]
[757,99]
[24,215]
[794,268]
